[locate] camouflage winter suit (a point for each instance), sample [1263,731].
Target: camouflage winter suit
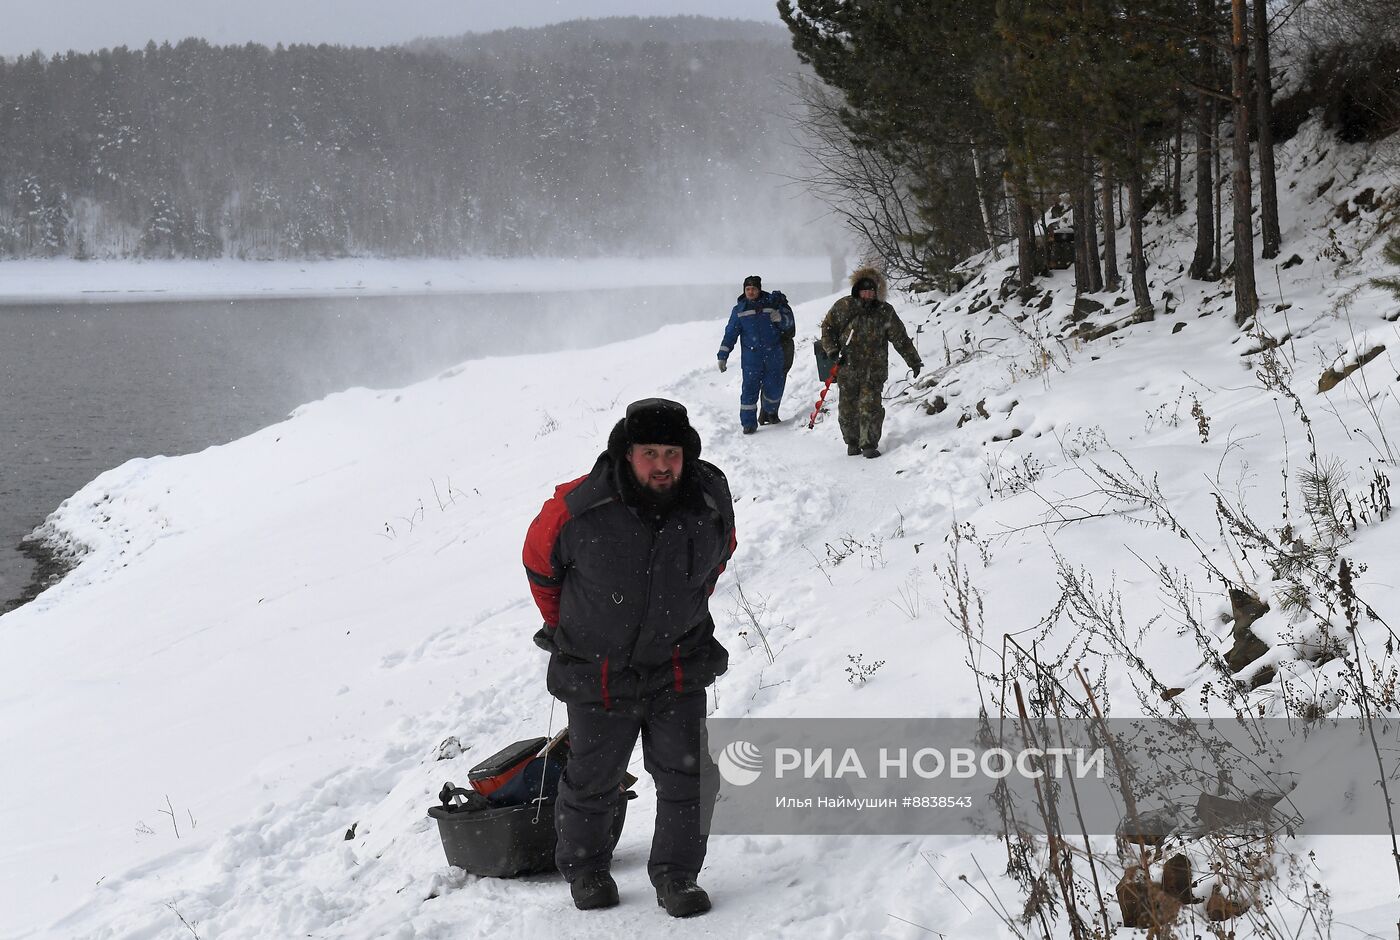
[870,326]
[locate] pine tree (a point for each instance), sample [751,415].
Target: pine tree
[908,79]
[29,210]
[55,217]
[1145,55]
[162,236]
[1206,77]
[1088,75]
[1264,120]
[1048,138]
[1246,301]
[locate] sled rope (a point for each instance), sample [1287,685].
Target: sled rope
[539,800]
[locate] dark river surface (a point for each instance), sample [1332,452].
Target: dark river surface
[85,387]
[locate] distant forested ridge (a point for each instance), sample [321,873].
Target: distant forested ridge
[583,139]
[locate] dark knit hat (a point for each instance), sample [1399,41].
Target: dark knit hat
[865,283]
[655,421]
[753,280]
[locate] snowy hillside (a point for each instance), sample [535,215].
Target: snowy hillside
[265,643]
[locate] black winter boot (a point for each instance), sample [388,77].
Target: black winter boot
[871,452]
[682,897]
[750,430]
[593,890]
[852,450]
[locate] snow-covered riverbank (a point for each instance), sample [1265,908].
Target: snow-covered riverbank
[266,642]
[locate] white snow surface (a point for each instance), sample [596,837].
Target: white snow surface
[264,643]
[66,280]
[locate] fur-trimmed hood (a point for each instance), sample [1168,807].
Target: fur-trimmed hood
[875,275]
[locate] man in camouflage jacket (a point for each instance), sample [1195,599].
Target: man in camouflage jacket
[860,328]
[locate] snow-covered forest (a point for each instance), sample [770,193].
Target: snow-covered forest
[612,136]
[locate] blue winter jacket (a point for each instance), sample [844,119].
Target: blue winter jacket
[762,322]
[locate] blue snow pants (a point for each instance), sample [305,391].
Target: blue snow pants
[763,384]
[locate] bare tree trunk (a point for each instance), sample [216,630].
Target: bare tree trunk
[1177,205]
[1091,232]
[1025,240]
[1264,120]
[984,201]
[1166,161]
[1137,260]
[1081,249]
[1112,280]
[1035,212]
[1246,302]
[1216,111]
[1008,205]
[1204,258]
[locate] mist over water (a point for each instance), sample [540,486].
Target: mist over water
[85,387]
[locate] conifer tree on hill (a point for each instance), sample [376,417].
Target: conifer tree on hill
[1242,196]
[1205,84]
[908,79]
[1049,88]
[1088,76]
[1264,121]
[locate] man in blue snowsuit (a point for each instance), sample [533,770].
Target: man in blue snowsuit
[763,320]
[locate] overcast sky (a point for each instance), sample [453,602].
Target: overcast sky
[59,25]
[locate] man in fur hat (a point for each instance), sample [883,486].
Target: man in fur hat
[860,328]
[621,563]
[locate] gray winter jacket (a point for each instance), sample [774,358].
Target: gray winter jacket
[624,591]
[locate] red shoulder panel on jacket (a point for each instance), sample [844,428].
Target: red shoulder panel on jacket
[545,581]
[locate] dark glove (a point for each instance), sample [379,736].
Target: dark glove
[544,639]
[918,367]
[723,365]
